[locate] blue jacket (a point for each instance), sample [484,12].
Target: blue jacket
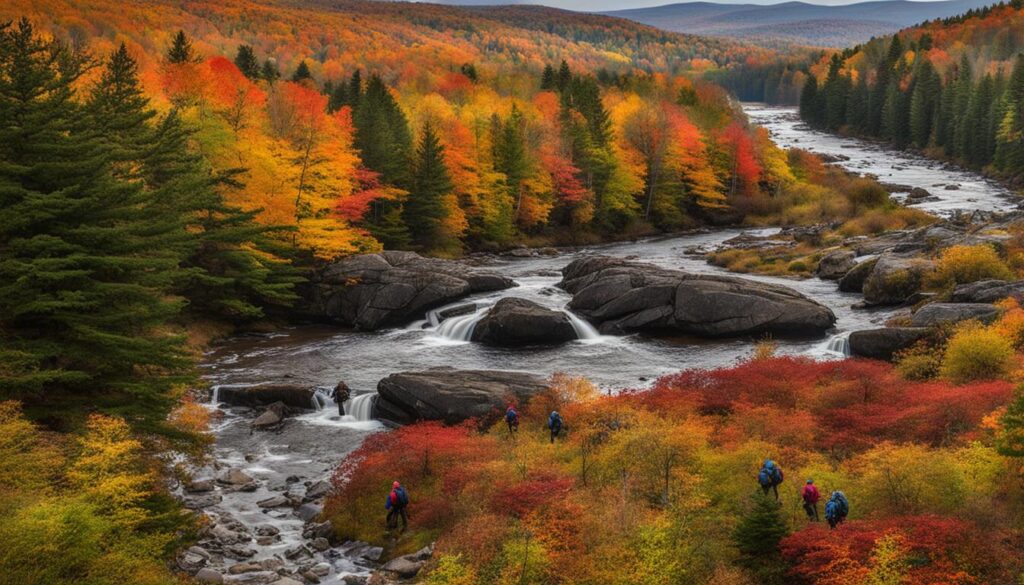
[555,421]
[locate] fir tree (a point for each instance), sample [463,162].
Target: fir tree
[382,133]
[425,209]
[547,78]
[181,50]
[757,537]
[302,73]
[355,88]
[245,60]
[564,76]
[120,110]
[84,268]
[510,156]
[809,101]
[269,72]
[1010,441]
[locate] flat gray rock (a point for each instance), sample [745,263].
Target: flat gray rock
[936,314]
[515,322]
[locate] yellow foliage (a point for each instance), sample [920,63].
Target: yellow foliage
[964,264]
[975,352]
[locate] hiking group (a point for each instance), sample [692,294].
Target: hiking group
[836,509]
[555,422]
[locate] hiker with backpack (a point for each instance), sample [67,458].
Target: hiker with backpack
[836,509]
[512,419]
[810,496]
[770,477]
[395,504]
[555,424]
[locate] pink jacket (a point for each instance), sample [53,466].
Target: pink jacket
[810,493]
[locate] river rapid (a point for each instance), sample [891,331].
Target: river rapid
[308,448]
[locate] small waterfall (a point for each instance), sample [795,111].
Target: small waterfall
[215,395]
[840,344]
[361,407]
[460,328]
[584,330]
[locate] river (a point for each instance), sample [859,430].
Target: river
[310,446]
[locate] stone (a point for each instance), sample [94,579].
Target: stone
[403,567]
[200,485]
[894,279]
[451,395]
[371,291]
[200,502]
[234,477]
[853,280]
[882,343]
[318,490]
[918,193]
[292,395]
[209,576]
[835,265]
[225,535]
[456,311]
[308,511]
[267,530]
[310,576]
[272,417]
[239,568]
[937,314]
[286,581]
[988,291]
[320,544]
[274,502]
[515,322]
[622,296]
[240,552]
[318,530]
[354,580]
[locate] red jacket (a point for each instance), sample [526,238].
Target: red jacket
[810,493]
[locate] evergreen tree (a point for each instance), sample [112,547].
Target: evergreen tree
[964,90]
[355,88]
[809,101]
[1010,441]
[84,268]
[924,103]
[1010,133]
[120,110]
[757,537]
[181,50]
[382,134]
[245,60]
[469,70]
[425,210]
[510,155]
[269,72]
[564,76]
[836,88]
[857,113]
[547,78]
[338,97]
[302,73]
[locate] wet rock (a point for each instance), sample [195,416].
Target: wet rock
[318,490]
[286,581]
[937,314]
[318,530]
[894,279]
[952,187]
[341,392]
[361,550]
[835,265]
[225,535]
[882,343]
[457,311]
[209,576]
[271,564]
[239,568]
[200,502]
[919,193]
[267,530]
[234,477]
[514,322]
[307,512]
[622,296]
[403,567]
[191,562]
[199,551]
[272,417]
[371,291]
[354,580]
[296,552]
[274,502]
[451,395]
[292,395]
[200,485]
[853,280]
[320,544]
[310,576]
[988,291]
[239,552]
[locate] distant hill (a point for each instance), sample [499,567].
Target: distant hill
[797,22]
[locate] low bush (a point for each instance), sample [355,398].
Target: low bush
[965,264]
[920,362]
[975,352]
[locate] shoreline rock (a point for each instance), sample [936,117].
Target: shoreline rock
[515,322]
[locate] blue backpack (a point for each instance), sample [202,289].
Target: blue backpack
[841,503]
[770,474]
[511,415]
[555,421]
[831,510]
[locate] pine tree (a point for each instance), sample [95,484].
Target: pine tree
[269,72]
[757,537]
[425,207]
[510,155]
[857,113]
[245,60]
[302,73]
[564,76]
[1010,133]
[924,102]
[382,133]
[355,88]
[84,269]
[836,88]
[181,50]
[547,78]
[1010,441]
[120,110]
[809,101]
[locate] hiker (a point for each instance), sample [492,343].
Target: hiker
[512,418]
[555,424]
[770,477]
[836,509]
[396,503]
[811,496]
[340,394]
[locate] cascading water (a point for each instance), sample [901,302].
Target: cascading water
[361,407]
[840,344]
[584,330]
[460,328]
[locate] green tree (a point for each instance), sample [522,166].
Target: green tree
[757,537]
[510,154]
[269,71]
[547,78]
[245,60]
[84,268]
[181,50]
[425,209]
[302,72]
[1010,440]
[924,103]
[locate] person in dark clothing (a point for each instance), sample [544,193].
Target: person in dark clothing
[395,504]
[770,477]
[810,497]
[340,394]
[512,419]
[555,424]
[836,509]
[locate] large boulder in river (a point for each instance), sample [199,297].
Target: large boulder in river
[371,291]
[935,314]
[514,322]
[895,279]
[292,395]
[622,296]
[853,280]
[835,265]
[451,395]
[988,291]
[881,344]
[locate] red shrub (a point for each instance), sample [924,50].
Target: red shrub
[526,496]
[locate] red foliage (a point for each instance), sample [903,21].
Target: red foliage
[526,496]
[854,403]
[370,188]
[745,168]
[940,550]
[564,176]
